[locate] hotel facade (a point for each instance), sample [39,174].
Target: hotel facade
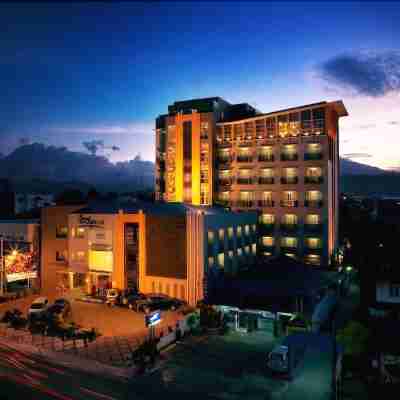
[282,164]
[155,248]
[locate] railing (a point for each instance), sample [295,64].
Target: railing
[313,179]
[265,157]
[313,228]
[263,180]
[244,203]
[289,157]
[266,203]
[313,203]
[289,227]
[289,203]
[244,158]
[289,180]
[244,181]
[312,156]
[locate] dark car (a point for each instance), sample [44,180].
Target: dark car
[161,302]
[61,309]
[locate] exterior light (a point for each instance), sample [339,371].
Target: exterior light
[14,253]
[380,244]
[348,268]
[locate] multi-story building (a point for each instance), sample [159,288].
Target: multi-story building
[164,248]
[285,164]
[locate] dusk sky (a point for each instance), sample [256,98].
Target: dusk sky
[72,73]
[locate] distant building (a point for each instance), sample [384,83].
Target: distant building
[25,202]
[284,164]
[163,248]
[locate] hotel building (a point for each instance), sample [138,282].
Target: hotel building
[156,248]
[284,164]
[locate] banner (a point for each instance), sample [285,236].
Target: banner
[20,266]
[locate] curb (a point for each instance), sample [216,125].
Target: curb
[69,361]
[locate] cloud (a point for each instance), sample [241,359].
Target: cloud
[356,155]
[117,129]
[93,146]
[366,73]
[394,122]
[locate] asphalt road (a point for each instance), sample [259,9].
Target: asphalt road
[23,376]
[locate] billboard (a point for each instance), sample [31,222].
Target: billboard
[20,265]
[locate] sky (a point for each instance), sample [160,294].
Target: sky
[84,72]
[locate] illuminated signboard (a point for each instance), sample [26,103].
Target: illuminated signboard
[153,318]
[20,266]
[90,221]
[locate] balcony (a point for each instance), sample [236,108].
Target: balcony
[245,142]
[244,203]
[266,203]
[244,181]
[313,228]
[313,203]
[244,158]
[290,228]
[314,179]
[312,156]
[266,157]
[224,160]
[266,180]
[224,182]
[289,157]
[223,144]
[289,203]
[286,180]
[266,228]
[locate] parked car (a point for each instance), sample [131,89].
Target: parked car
[112,297]
[60,310]
[134,300]
[38,307]
[160,302]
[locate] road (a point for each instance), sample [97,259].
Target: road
[24,376]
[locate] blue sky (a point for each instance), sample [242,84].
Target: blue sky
[82,72]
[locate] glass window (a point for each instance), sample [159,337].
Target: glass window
[239,252]
[313,259]
[210,261]
[289,149]
[80,232]
[267,196]
[221,234]
[247,229]
[313,243]
[267,240]
[101,260]
[247,249]
[221,260]
[61,255]
[313,195]
[290,172]
[230,232]
[267,219]
[267,172]
[210,237]
[289,241]
[80,255]
[312,219]
[314,171]
[289,219]
[159,287]
[254,248]
[61,231]
[239,231]
[313,148]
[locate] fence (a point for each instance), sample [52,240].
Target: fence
[112,350]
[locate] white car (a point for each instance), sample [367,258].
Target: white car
[38,306]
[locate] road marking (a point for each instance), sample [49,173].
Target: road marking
[100,395]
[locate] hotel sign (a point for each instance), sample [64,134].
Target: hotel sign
[90,221]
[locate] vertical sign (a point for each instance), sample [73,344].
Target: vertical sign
[132,254]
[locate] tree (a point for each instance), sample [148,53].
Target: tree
[354,338]
[70,197]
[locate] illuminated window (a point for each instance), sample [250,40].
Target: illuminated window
[291,255]
[312,219]
[210,261]
[230,232]
[247,249]
[239,231]
[159,287]
[289,219]
[230,253]
[267,219]
[61,232]
[313,148]
[313,195]
[61,256]
[267,240]
[267,254]
[101,260]
[247,229]
[266,196]
[221,260]
[267,172]
[288,241]
[221,234]
[239,252]
[254,228]
[80,232]
[313,259]
[313,243]
[153,287]
[80,255]
[254,248]
[210,237]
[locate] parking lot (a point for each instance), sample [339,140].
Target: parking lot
[231,367]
